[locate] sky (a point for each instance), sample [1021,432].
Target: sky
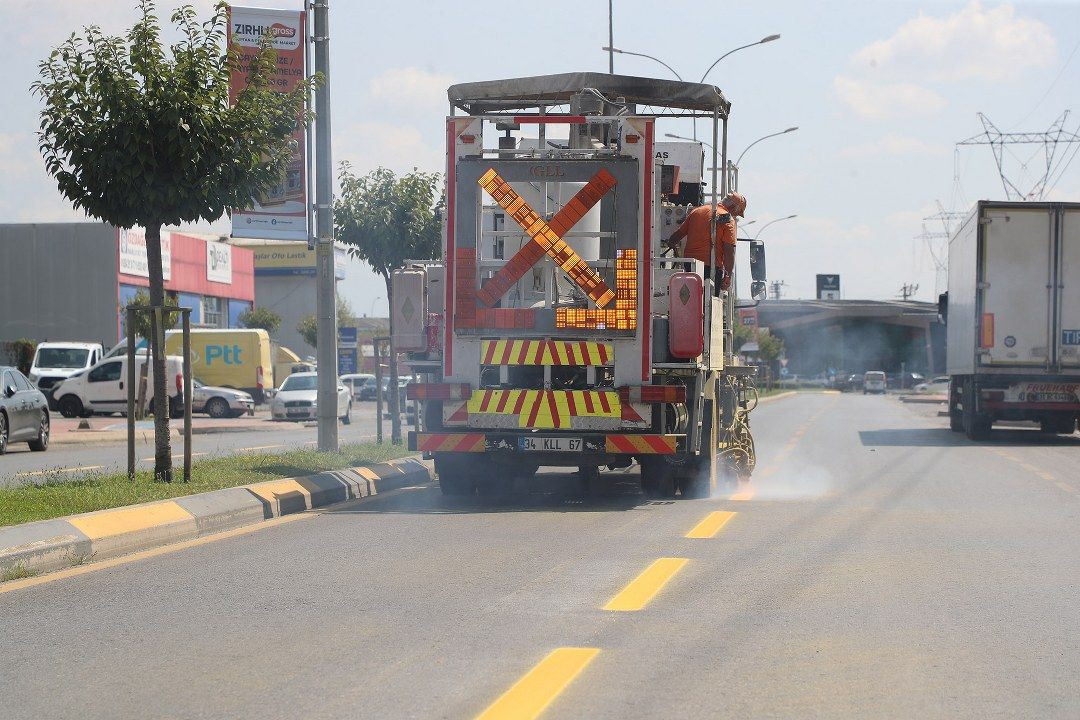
[881,93]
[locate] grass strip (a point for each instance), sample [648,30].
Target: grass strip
[57,496]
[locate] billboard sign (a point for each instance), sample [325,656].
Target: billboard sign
[346,336]
[292,259]
[282,213]
[828,287]
[219,263]
[347,360]
[131,253]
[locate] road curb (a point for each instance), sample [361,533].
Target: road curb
[778,396]
[48,545]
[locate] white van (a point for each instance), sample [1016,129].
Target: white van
[55,362]
[102,388]
[873,382]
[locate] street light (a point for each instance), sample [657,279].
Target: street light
[371,313]
[609,49]
[762,41]
[782,132]
[683,137]
[762,229]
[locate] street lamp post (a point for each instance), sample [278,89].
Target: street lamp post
[762,228]
[371,312]
[762,41]
[782,132]
[609,49]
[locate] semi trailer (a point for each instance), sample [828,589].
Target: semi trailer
[553,330]
[1012,314]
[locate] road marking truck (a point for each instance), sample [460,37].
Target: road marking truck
[553,331]
[1012,314]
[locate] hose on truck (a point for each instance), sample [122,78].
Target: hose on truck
[739,454]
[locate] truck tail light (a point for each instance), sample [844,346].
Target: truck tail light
[986,331]
[259,377]
[179,382]
[438,391]
[652,394]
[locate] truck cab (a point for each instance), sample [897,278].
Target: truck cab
[54,362]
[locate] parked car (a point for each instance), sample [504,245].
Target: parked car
[55,362]
[220,402]
[101,388]
[367,390]
[874,382]
[937,386]
[297,399]
[355,382]
[24,412]
[851,382]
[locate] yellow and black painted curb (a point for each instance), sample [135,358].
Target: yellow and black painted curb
[53,544]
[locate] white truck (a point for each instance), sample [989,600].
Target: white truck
[55,362]
[1012,313]
[100,389]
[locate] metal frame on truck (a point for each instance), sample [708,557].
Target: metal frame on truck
[579,372]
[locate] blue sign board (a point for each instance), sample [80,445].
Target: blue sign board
[346,361]
[1070,337]
[346,336]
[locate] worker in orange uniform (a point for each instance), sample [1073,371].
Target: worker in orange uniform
[695,230]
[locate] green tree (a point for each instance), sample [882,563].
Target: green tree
[308,327]
[741,335]
[139,133]
[770,347]
[141,299]
[384,220]
[260,318]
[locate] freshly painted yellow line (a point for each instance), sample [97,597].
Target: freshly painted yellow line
[131,519]
[530,695]
[1066,487]
[154,552]
[274,490]
[260,447]
[33,473]
[711,525]
[644,587]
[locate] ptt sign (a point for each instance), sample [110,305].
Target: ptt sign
[224,354]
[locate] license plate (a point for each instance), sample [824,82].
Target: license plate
[549,444]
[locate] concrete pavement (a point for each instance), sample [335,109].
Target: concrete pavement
[878,566]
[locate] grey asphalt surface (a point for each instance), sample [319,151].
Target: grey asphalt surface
[20,465]
[882,567]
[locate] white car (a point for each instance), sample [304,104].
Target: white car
[101,389]
[296,399]
[937,386]
[220,402]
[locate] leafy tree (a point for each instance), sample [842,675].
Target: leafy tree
[139,133]
[770,347]
[260,318]
[308,327]
[385,220]
[741,335]
[141,299]
[23,349]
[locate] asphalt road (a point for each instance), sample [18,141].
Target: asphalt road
[878,566]
[20,465]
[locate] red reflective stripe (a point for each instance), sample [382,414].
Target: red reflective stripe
[571,356]
[535,409]
[658,443]
[603,354]
[490,354]
[451,199]
[604,405]
[589,408]
[556,419]
[622,443]
[467,442]
[486,401]
[523,351]
[646,270]
[571,404]
[522,394]
[505,398]
[586,357]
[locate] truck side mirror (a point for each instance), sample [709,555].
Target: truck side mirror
[757,289]
[757,261]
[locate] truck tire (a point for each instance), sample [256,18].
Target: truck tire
[976,426]
[1058,425]
[704,471]
[657,477]
[455,477]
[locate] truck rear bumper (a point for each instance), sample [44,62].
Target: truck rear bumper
[509,443]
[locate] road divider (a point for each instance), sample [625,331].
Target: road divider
[47,545]
[645,586]
[531,695]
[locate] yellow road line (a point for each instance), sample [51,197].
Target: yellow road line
[123,520]
[530,696]
[644,587]
[155,552]
[1066,487]
[711,525]
[35,473]
[260,447]
[744,495]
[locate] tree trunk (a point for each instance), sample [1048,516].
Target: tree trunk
[162,447]
[395,406]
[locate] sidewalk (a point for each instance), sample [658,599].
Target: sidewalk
[113,429]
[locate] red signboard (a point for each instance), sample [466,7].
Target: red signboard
[282,214]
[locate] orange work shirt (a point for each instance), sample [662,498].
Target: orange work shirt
[696,227]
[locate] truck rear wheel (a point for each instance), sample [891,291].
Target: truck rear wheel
[657,477]
[1058,425]
[456,477]
[976,425]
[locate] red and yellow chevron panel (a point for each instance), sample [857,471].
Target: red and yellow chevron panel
[624,316]
[641,444]
[547,238]
[450,442]
[545,409]
[546,352]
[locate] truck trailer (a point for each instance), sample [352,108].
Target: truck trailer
[1012,314]
[553,331]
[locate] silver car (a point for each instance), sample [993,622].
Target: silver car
[24,412]
[220,402]
[297,399]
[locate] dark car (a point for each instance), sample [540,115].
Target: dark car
[24,412]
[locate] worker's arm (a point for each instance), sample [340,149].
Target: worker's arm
[729,265]
[675,241]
